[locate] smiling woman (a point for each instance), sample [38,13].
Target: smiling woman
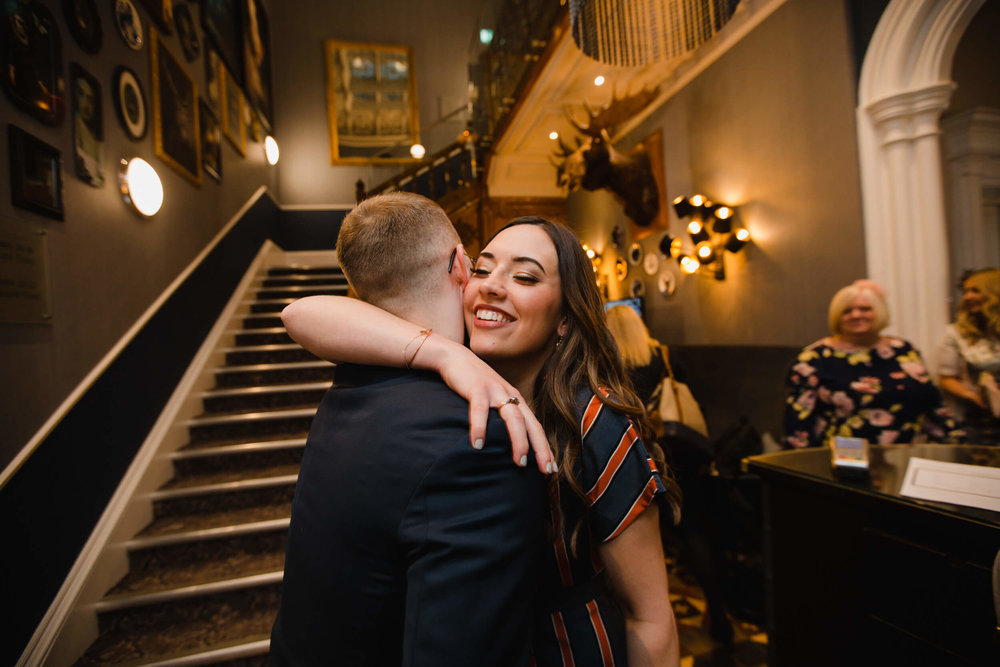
[513,304]
[859,383]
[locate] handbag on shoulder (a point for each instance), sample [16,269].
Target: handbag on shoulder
[673,401]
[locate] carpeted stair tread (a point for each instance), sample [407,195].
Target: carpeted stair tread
[255,377]
[189,564]
[265,400]
[301,269]
[223,474]
[246,430]
[199,445]
[173,525]
[180,628]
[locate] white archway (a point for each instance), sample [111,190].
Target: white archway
[904,87]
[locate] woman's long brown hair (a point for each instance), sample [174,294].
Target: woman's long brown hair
[586,357]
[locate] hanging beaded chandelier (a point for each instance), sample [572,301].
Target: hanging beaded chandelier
[640,32]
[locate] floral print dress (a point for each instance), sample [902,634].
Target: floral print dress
[882,394]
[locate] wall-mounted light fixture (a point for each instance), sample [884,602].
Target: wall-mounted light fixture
[713,231]
[595,257]
[140,186]
[271,150]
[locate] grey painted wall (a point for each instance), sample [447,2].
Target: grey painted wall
[440,34]
[106,264]
[769,127]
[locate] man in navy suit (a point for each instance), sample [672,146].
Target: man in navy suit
[406,545]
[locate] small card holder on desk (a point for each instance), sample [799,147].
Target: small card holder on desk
[850,457]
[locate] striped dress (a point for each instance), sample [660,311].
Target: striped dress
[580,623]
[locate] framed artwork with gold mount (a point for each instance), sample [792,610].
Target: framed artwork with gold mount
[371,101]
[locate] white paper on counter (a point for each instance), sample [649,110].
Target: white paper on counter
[956,483]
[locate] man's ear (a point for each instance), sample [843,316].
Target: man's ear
[461,267]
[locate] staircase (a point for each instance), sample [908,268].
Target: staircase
[204,577]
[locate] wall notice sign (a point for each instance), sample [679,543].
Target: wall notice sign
[24,286]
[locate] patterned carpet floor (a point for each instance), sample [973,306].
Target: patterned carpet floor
[698,649]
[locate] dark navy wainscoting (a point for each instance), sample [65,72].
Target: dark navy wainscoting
[309,230]
[51,505]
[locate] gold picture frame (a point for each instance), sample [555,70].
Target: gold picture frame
[176,133]
[233,120]
[371,101]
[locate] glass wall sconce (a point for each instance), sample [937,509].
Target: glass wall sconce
[141,186]
[271,151]
[713,231]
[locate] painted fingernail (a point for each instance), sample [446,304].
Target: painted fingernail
[478,444]
[550,467]
[524,461]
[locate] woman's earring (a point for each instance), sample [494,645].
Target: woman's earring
[559,342]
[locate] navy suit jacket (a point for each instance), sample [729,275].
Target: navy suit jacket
[407,546]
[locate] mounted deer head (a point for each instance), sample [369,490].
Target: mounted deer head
[595,164]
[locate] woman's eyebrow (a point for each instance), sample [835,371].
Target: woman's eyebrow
[530,260]
[517,260]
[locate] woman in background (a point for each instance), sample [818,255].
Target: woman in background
[639,350]
[858,383]
[689,454]
[969,357]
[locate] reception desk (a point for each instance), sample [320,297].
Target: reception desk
[858,574]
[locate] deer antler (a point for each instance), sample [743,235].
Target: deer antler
[615,113]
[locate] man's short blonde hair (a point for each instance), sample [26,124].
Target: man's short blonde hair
[390,245]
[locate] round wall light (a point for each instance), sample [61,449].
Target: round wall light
[271,150]
[141,186]
[418,151]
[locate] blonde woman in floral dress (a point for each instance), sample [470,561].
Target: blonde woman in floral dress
[859,383]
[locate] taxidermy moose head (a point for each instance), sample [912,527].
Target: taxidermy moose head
[595,164]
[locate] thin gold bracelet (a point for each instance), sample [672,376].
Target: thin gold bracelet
[423,336]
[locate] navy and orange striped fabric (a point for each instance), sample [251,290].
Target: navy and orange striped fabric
[582,625]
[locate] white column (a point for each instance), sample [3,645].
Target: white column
[904,87]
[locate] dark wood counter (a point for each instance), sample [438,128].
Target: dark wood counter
[857,574]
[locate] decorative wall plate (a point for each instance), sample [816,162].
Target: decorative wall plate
[621,268]
[637,288]
[130,103]
[635,253]
[126,17]
[84,23]
[666,284]
[651,263]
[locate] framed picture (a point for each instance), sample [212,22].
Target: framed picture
[88,126]
[129,102]
[223,24]
[126,17]
[162,13]
[84,23]
[187,33]
[175,112]
[213,92]
[211,142]
[233,122]
[35,174]
[31,60]
[371,102]
[257,59]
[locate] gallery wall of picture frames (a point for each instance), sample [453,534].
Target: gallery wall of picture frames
[225,43]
